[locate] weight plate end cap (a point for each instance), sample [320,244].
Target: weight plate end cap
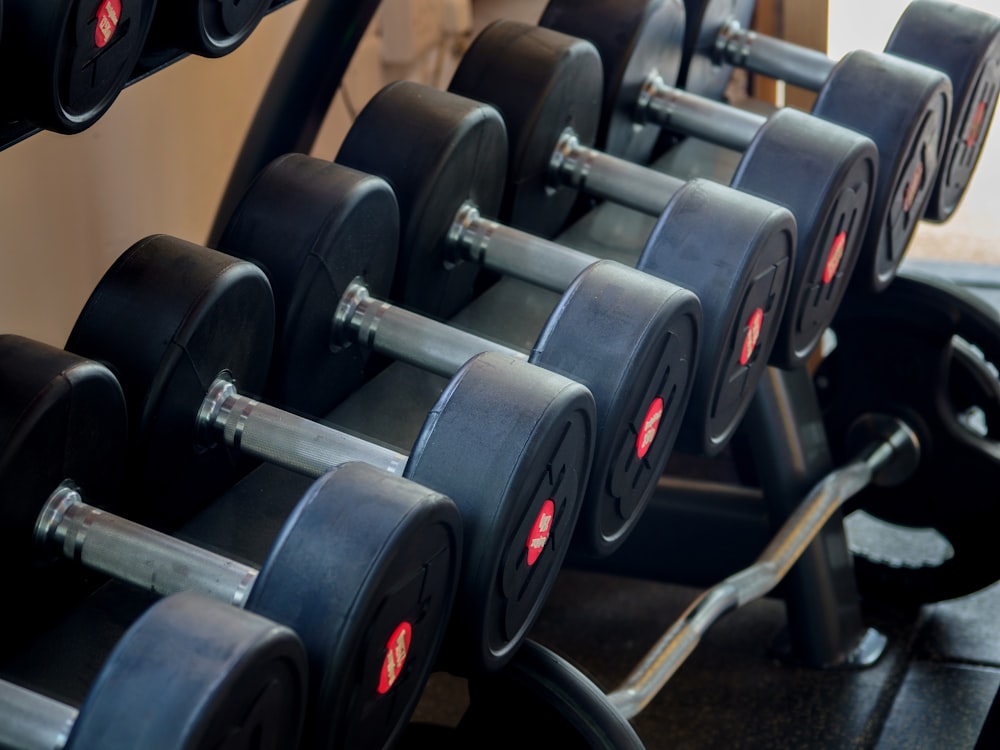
[371,602]
[512,445]
[314,227]
[247,684]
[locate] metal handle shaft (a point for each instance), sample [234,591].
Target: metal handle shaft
[32,721]
[777,58]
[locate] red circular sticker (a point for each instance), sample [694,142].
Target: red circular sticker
[109,12]
[647,433]
[396,651]
[911,190]
[976,126]
[754,326]
[540,531]
[834,257]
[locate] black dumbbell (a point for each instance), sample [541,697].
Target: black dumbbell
[66,62]
[364,570]
[641,379]
[209,28]
[824,174]
[445,157]
[903,107]
[189,674]
[181,325]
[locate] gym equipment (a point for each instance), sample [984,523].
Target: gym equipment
[246,689]
[364,570]
[824,174]
[641,378]
[446,165]
[902,106]
[181,326]
[208,28]
[65,62]
[929,350]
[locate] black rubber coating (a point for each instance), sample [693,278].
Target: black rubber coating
[504,440]
[313,227]
[62,417]
[634,38]
[700,73]
[964,44]
[905,337]
[541,700]
[71,57]
[542,82]
[245,689]
[904,108]
[167,318]
[365,570]
[825,175]
[209,28]
[735,252]
[633,340]
[436,151]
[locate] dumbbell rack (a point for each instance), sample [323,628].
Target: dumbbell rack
[826,625]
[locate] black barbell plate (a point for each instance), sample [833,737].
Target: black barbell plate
[735,252]
[825,175]
[474,153]
[365,570]
[195,674]
[904,108]
[66,61]
[904,340]
[699,74]
[647,35]
[965,45]
[314,227]
[167,318]
[527,436]
[209,28]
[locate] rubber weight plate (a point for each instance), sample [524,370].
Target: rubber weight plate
[641,375]
[167,318]
[365,570]
[913,367]
[66,61]
[970,55]
[635,37]
[313,227]
[736,253]
[512,445]
[210,28]
[447,154]
[245,689]
[904,108]
[825,175]
[542,83]
[700,74]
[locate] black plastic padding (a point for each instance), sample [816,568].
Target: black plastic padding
[363,554]
[633,340]
[505,438]
[542,82]
[437,150]
[825,175]
[904,108]
[167,318]
[208,28]
[965,44]
[634,38]
[736,252]
[700,74]
[313,227]
[242,685]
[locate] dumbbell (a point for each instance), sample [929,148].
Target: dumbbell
[902,106]
[65,62]
[181,326]
[824,174]
[364,570]
[244,689]
[961,42]
[641,379]
[445,157]
[208,28]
